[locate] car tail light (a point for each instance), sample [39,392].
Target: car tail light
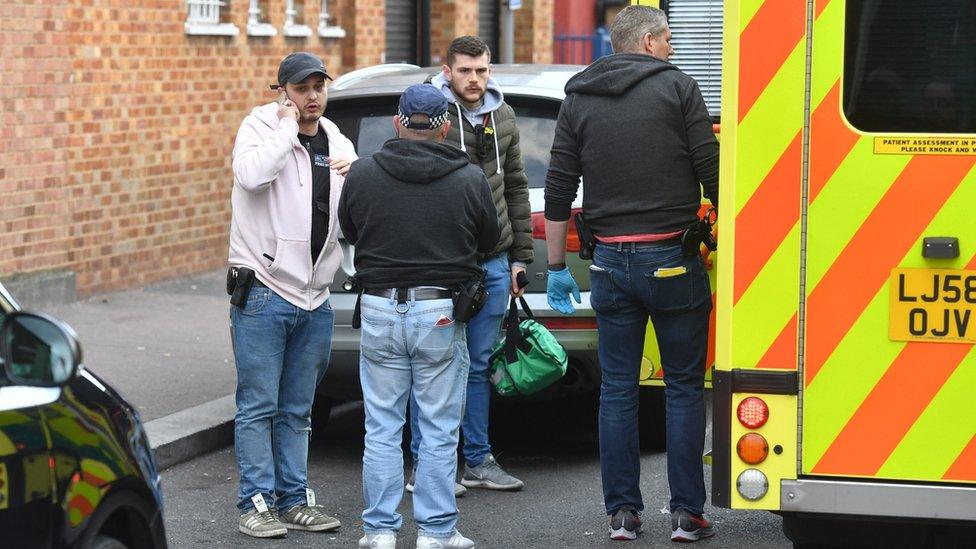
[539,230]
[567,323]
[752,484]
[753,412]
[752,448]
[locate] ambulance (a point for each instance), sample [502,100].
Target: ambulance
[844,382]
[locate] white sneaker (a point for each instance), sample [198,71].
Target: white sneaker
[378,541]
[456,541]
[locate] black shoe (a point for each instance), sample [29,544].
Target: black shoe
[625,524]
[686,526]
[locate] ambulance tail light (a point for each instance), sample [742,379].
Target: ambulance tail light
[752,448]
[539,230]
[752,484]
[752,412]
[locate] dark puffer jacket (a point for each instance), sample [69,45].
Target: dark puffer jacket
[509,186]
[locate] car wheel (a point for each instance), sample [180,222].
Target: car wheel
[131,523]
[651,420]
[105,542]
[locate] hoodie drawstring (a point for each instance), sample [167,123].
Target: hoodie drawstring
[494,132]
[460,126]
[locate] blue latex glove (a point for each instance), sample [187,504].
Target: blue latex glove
[558,288]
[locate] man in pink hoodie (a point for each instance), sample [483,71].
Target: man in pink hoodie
[289,167]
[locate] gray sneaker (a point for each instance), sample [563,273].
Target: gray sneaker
[309,517]
[262,525]
[458,489]
[490,475]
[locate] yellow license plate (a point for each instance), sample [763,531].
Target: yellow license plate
[932,305]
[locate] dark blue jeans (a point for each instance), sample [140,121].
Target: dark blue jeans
[628,283]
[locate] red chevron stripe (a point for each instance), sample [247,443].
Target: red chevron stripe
[765,43]
[830,141]
[964,467]
[893,406]
[767,217]
[774,208]
[882,241]
[781,355]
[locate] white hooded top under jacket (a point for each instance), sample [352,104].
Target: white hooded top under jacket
[271,207]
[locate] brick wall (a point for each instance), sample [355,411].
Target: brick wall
[533,32]
[117,127]
[448,20]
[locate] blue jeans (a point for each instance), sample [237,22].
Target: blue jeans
[413,349]
[281,351]
[624,291]
[484,332]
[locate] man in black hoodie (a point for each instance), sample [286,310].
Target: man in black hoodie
[418,213]
[637,130]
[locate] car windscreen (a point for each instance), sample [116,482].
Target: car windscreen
[369,124]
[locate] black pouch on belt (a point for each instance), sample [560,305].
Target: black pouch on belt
[469,298]
[239,282]
[699,233]
[587,240]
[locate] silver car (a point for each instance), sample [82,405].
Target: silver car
[362,103]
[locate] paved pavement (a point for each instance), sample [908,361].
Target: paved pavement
[555,453]
[167,349]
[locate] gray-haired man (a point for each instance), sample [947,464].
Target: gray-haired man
[418,214]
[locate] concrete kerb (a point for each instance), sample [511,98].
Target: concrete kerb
[190,433]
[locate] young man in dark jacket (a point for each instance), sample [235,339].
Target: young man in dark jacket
[483,127]
[418,214]
[637,130]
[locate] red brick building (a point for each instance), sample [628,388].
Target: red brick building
[118,118]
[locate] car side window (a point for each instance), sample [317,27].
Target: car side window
[537,128]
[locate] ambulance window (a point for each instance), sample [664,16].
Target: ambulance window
[910,66]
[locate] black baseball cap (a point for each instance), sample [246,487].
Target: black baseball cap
[297,67]
[422,99]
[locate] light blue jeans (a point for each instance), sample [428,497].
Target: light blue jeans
[281,351]
[404,352]
[484,332]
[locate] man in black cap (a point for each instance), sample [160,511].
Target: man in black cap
[289,165]
[418,213]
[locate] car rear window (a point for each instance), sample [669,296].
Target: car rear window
[369,126]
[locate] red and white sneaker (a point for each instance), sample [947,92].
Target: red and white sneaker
[688,527]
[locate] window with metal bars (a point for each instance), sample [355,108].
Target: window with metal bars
[696,35]
[206,17]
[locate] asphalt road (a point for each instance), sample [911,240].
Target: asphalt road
[552,447]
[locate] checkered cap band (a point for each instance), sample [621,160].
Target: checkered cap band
[435,122]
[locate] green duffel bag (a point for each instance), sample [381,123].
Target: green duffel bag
[529,359]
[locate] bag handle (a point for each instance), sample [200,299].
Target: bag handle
[514,340]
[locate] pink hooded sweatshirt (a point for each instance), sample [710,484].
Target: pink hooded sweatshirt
[271,207]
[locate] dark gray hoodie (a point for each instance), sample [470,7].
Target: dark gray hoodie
[418,213]
[637,130]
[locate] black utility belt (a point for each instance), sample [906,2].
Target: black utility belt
[690,240]
[468,297]
[406,294]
